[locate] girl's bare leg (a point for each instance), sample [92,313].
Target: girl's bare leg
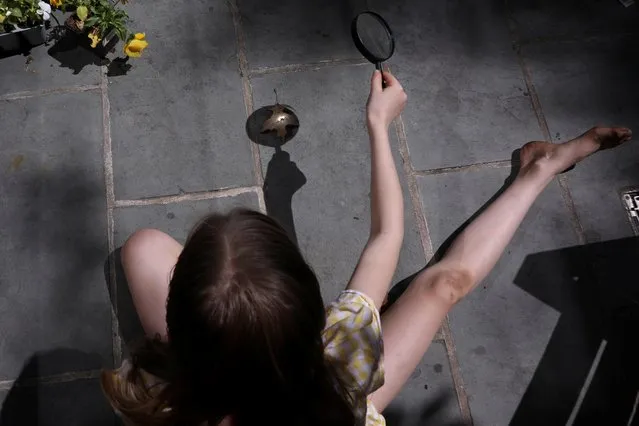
[411,323]
[148,258]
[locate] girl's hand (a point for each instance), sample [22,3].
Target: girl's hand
[384,105]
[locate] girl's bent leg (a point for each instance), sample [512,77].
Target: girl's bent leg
[148,258]
[411,323]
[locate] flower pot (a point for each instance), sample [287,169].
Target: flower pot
[22,39]
[74,24]
[109,41]
[104,46]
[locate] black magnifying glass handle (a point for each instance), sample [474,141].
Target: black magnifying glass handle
[378,67]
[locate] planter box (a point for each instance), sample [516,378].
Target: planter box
[21,39]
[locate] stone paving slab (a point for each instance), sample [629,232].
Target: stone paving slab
[48,67]
[292,32]
[548,18]
[500,330]
[52,290]
[428,398]
[331,211]
[77,403]
[595,188]
[580,84]
[177,118]
[584,82]
[175,219]
[468,99]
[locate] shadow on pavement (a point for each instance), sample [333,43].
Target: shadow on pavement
[131,330]
[430,414]
[590,364]
[52,232]
[33,403]
[283,178]
[72,51]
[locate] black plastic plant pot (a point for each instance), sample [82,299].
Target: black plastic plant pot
[22,39]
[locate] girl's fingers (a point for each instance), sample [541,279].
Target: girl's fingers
[391,80]
[376,81]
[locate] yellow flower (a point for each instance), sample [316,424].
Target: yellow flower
[134,48]
[2,18]
[55,3]
[95,39]
[139,36]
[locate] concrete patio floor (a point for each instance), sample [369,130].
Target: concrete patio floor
[86,158]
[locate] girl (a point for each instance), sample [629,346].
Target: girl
[238,334]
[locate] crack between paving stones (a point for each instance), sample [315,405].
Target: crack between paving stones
[543,125]
[247,93]
[455,369]
[188,196]
[464,168]
[311,66]
[588,36]
[416,202]
[427,246]
[45,92]
[110,201]
[72,376]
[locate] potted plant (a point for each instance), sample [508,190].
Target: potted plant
[22,23]
[101,23]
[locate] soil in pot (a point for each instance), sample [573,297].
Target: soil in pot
[74,24]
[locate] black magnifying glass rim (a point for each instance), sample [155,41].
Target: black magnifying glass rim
[360,45]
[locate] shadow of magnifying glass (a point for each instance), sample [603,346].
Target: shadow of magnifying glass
[273,126]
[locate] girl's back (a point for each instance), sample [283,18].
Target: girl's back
[245,321]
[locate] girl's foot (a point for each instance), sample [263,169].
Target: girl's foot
[549,159]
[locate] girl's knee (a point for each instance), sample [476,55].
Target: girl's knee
[449,285]
[142,241]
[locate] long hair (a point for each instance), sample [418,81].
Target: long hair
[244,323]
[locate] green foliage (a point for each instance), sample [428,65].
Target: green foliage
[104,16]
[99,17]
[21,13]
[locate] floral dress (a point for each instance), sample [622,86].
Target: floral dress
[353,342]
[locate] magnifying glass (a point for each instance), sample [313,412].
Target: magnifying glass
[373,38]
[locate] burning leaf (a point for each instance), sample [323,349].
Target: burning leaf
[280,118]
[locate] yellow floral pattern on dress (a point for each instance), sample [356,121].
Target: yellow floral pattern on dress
[353,343]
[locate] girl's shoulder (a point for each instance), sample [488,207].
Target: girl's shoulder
[353,343]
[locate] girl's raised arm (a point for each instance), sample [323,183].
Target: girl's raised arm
[379,258]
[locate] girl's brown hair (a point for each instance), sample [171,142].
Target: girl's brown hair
[244,322]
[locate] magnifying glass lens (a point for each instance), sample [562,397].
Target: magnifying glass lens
[374,37]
